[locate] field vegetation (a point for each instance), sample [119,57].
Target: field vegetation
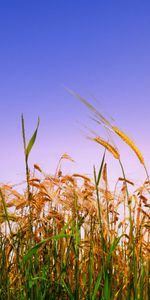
[63,236]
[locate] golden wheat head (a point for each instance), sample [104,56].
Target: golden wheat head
[108,146]
[130,143]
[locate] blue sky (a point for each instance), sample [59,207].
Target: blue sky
[99,49]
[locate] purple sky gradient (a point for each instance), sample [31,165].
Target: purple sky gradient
[100,49]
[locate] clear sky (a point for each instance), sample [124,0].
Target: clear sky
[100,49]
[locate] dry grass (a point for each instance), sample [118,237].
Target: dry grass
[67,252]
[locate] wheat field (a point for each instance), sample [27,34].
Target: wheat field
[63,236]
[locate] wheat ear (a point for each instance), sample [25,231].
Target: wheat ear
[130,143]
[108,146]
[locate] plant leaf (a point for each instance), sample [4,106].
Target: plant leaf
[106,288]
[100,170]
[97,284]
[34,249]
[32,140]
[113,247]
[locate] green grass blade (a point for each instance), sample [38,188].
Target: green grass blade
[23,132]
[34,249]
[97,284]
[113,247]
[32,140]
[101,168]
[106,287]
[98,203]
